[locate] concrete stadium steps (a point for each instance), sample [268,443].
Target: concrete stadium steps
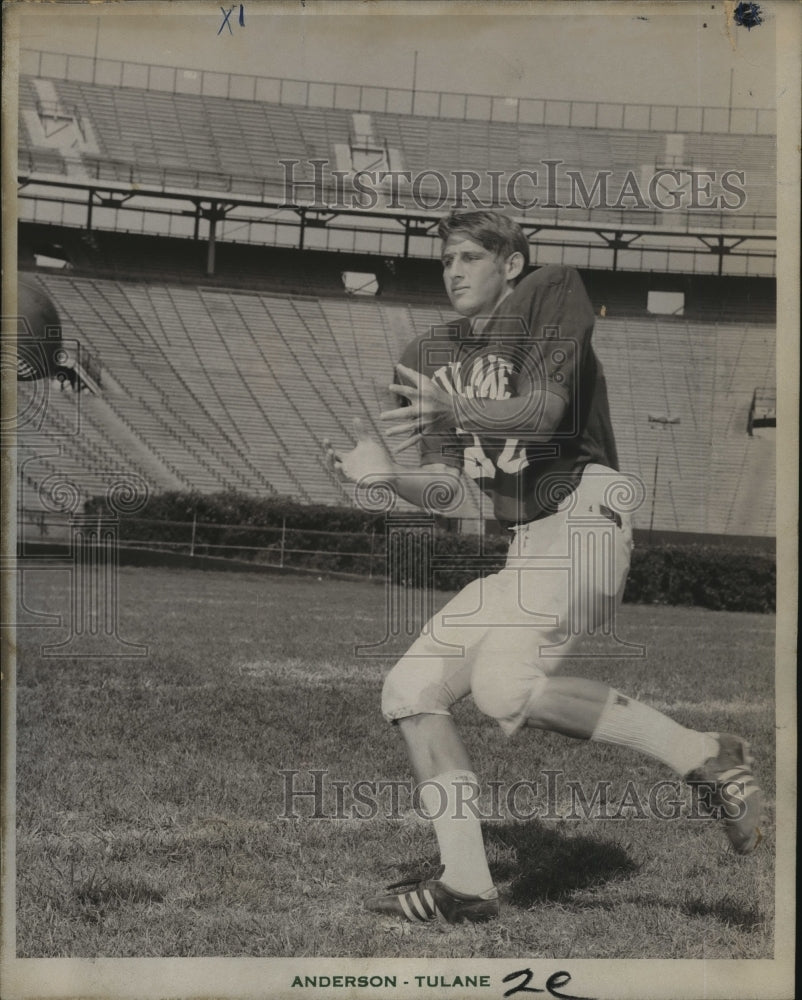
[172,423]
[213,387]
[743,470]
[28,496]
[225,387]
[260,366]
[743,485]
[85,426]
[81,441]
[26,103]
[438,144]
[220,390]
[223,138]
[185,400]
[737,152]
[212,135]
[704,374]
[69,443]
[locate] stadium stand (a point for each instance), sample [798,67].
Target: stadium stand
[181,136]
[187,140]
[229,388]
[429,144]
[702,376]
[226,369]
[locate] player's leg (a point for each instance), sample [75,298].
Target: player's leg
[586,709]
[569,705]
[434,746]
[582,708]
[418,694]
[447,785]
[589,710]
[448,788]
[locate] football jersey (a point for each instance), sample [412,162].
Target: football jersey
[538,338]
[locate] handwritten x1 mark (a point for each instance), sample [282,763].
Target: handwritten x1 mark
[225,23]
[226,17]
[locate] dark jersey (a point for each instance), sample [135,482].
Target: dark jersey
[537,341]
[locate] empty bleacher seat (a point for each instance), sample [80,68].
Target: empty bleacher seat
[213,387]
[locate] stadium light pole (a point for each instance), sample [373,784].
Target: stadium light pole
[654,494]
[729,109]
[663,421]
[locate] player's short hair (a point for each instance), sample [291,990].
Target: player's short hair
[492,230]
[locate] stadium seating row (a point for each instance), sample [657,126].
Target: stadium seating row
[202,141]
[212,388]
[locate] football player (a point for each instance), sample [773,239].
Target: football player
[513,395]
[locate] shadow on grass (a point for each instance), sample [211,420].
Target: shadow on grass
[551,866]
[728,912]
[547,865]
[93,900]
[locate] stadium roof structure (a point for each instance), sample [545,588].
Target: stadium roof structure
[391,226]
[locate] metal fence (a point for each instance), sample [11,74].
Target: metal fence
[400,100]
[288,546]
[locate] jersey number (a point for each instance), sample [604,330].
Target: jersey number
[478,465]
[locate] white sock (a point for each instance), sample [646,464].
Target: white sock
[630,723]
[447,800]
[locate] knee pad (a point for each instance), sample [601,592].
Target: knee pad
[507,694]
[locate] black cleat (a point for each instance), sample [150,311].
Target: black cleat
[735,791]
[427,898]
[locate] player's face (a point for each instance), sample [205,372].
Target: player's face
[476,279]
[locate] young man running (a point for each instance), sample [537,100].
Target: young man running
[513,396]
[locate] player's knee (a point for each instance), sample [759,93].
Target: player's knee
[496,700]
[506,699]
[410,691]
[392,695]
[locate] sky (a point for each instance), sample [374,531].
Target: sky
[663,53]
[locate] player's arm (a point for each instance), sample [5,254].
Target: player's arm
[536,411]
[435,487]
[559,315]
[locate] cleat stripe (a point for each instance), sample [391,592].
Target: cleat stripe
[417,904]
[428,900]
[405,907]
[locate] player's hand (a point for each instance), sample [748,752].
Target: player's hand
[369,458]
[430,409]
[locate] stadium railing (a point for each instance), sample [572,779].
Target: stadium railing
[400,100]
[254,190]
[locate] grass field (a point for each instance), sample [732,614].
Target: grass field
[149,798]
